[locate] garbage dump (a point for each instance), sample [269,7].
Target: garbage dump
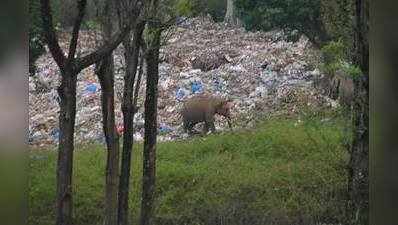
[262,72]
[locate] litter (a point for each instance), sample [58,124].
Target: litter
[196,87]
[260,71]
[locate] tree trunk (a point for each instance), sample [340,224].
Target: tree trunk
[230,14]
[67,93]
[128,108]
[106,77]
[149,159]
[358,207]
[70,67]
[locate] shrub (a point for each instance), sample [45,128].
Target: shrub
[337,19]
[335,57]
[332,56]
[36,42]
[192,8]
[301,15]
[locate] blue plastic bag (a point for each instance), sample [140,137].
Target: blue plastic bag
[196,87]
[91,88]
[180,94]
[163,128]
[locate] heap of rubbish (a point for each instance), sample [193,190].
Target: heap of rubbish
[262,72]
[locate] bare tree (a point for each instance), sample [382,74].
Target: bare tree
[70,66]
[152,39]
[359,161]
[105,73]
[130,95]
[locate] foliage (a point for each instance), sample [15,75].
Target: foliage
[301,15]
[36,40]
[192,8]
[337,19]
[332,56]
[217,9]
[91,25]
[335,58]
[287,169]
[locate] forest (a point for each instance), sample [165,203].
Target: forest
[227,112]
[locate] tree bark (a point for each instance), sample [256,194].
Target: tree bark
[106,78]
[358,185]
[105,74]
[230,14]
[149,159]
[70,67]
[128,109]
[67,93]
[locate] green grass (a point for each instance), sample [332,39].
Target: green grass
[279,173]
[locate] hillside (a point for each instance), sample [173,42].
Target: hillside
[286,171]
[263,72]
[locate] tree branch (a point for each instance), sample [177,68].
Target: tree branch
[103,50]
[50,34]
[76,28]
[138,82]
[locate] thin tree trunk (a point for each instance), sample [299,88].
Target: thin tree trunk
[106,78]
[67,93]
[149,160]
[128,109]
[70,67]
[138,81]
[230,14]
[359,161]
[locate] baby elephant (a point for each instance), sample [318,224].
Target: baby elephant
[202,108]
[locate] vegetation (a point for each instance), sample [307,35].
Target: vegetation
[320,20]
[335,58]
[191,8]
[286,170]
[301,15]
[36,42]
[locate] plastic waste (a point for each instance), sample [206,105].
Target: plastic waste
[196,87]
[163,128]
[181,94]
[217,84]
[55,134]
[120,129]
[91,88]
[260,68]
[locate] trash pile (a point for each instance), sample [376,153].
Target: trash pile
[261,71]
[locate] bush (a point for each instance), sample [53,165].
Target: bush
[36,41]
[301,15]
[337,19]
[332,56]
[192,8]
[335,58]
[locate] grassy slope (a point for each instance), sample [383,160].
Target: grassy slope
[279,173]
